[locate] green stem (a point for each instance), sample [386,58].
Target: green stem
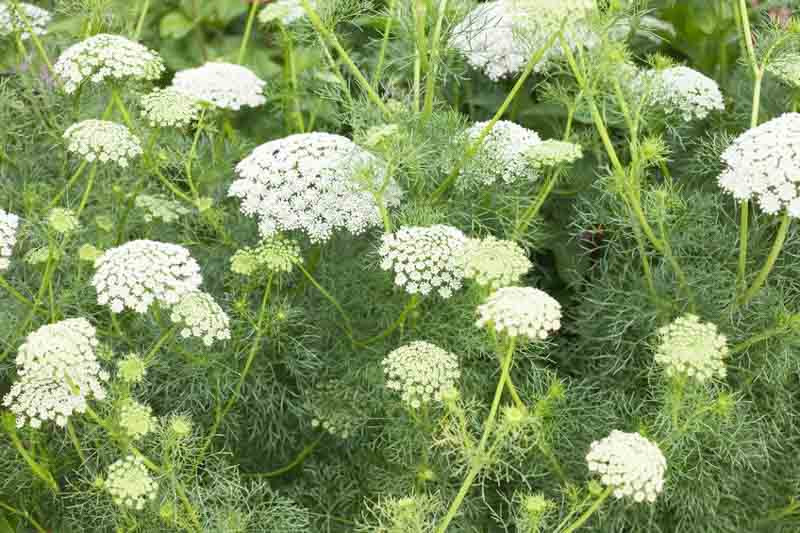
[291,75]
[766,334]
[251,17]
[166,336]
[533,209]
[88,190]
[331,38]
[387,30]
[744,214]
[590,511]
[24,514]
[193,152]
[123,109]
[347,327]
[555,465]
[34,37]
[305,452]
[412,303]
[478,460]
[14,292]
[140,23]
[73,436]
[777,246]
[69,184]
[473,148]
[38,470]
[675,401]
[420,49]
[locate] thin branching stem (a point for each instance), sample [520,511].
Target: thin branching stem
[598,502]
[769,263]
[248,30]
[24,514]
[298,460]
[387,31]
[142,16]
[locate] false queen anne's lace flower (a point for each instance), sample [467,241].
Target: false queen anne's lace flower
[286,11]
[169,108]
[421,372]
[11,22]
[763,164]
[8,237]
[103,57]
[499,37]
[425,260]
[630,464]
[495,263]
[502,156]
[684,90]
[552,152]
[58,372]
[222,85]
[314,182]
[138,273]
[136,419]
[201,317]
[101,140]
[521,311]
[159,207]
[691,348]
[276,254]
[130,484]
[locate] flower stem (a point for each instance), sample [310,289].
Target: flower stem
[33,35]
[387,30]
[247,30]
[38,470]
[193,152]
[88,190]
[290,73]
[347,326]
[478,460]
[25,514]
[533,209]
[14,292]
[73,436]
[430,87]
[166,336]
[777,246]
[413,302]
[305,452]
[744,214]
[69,184]
[590,511]
[142,16]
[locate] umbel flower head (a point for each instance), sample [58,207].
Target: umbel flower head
[8,237]
[425,259]
[552,152]
[159,207]
[136,419]
[138,273]
[500,36]
[62,220]
[421,372]
[285,11]
[106,57]
[314,182]
[169,108]
[130,484]
[521,311]
[685,91]
[13,18]
[495,263]
[58,372]
[131,368]
[692,348]
[201,317]
[502,156]
[337,414]
[630,464]
[276,254]
[763,164]
[223,85]
[101,140]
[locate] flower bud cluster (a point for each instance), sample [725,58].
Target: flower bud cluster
[630,464]
[276,254]
[136,419]
[521,311]
[130,484]
[552,153]
[684,91]
[63,221]
[169,108]
[101,140]
[201,317]
[159,207]
[691,348]
[495,263]
[131,368]
[421,372]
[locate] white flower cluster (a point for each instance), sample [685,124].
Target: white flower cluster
[136,419]
[494,263]
[223,85]
[421,372]
[763,164]
[685,91]
[786,68]
[11,22]
[201,317]
[58,372]
[286,11]
[691,348]
[502,156]
[425,259]
[159,207]
[138,273]
[130,484]
[500,36]
[521,311]
[314,182]
[169,108]
[629,463]
[276,254]
[8,237]
[103,57]
[552,153]
[101,140]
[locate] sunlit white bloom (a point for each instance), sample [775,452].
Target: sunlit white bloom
[286,11]
[499,37]
[130,484]
[521,311]
[629,463]
[8,237]
[24,19]
[692,348]
[421,372]
[58,372]
[105,57]
[425,259]
[502,155]
[139,273]
[685,91]
[314,182]
[169,108]
[201,317]
[495,263]
[223,85]
[763,164]
[101,140]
